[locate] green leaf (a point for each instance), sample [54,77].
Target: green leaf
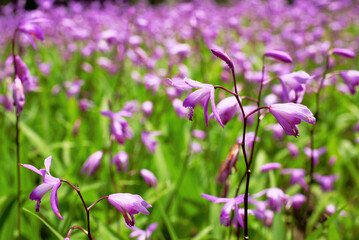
[57,234]
[278,228]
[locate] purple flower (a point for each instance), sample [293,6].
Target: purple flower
[270,166]
[316,153]
[199,134]
[351,79]
[297,176]
[120,129]
[19,96]
[121,161]
[180,110]
[289,115]
[196,147]
[276,198]
[230,205]
[296,201]
[205,94]
[129,204]
[73,88]
[49,183]
[326,182]
[92,163]
[148,140]
[343,52]
[147,107]
[279,55]
[149,177]
[22,71]
[293,149]
[277,129]
[6,102]
[152,82]
[32,31]
[143,234]
[227,109]
[223,56]
[85,104]
[293,85]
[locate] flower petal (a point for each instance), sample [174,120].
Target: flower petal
[54,201]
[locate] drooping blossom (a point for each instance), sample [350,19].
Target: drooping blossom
[223,56]
[297,176]
[227,108]
[180,110]
[270,166]
[121,161]
[22,71]
[277,129]
[279,55]
[293,149]
[32,30]
[326,182]
[276,198]
[149,141]
[49,183]
[92,163]
[343,52]
[351,79]
[198,134]
[119,127]
[18,95]
[296,201]
[230,205]
[316,153]
[205,94]
[289,115]
[147,108]
[143,234]
[152,82]
[129,205]
[293,86]
[149,177]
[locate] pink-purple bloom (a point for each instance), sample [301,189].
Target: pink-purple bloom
[276,198]
[227,109]
[147,108]
[293,85]
[344,52]
[149,141]
[204,94]
[19,95]
[199,134]
[92,163]
[289,115]
[180,110]
[120,129]
[296,201]
[297,176]
[143,234]
[32,31]
[351,79]
[49,183]
[293,149]
[326,182]
[129,205]
[279,55]
[316,153]
[270,166]
[149,177]
[121,161]
[223,56]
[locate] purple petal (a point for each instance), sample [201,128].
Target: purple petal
[214,109]
[343,52]
[32,168]
[48,164]
[39,192]
[205,108]
[54,201]
[223,56]
[279,55]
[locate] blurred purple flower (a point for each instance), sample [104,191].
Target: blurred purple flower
[32,31]
[92,163]
[279,55]
[270,166]
[22,71]
[351,79]
[293,85]
[289,115]
[6,102]
[326,182]
[143,234]
[45,68]
[121,161]
[85,104]
[205,93]
[73,88]
[49,183]
[223,56]
[297,176]
[227,109]
[199,134]
[230,205]
[277,129]
[276,198]
[293,149]
[18,95]
[148,140]
[149,177]
[152,82]
[180,110]
[147,107]
[196,147]
[129,204]
[316,153]
[296,201]
[343,52]
[120,129]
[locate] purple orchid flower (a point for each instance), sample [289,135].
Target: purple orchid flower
[32,31]
[279,55]
[129,204]
[326,182]
[296,201]
[351,79]
[180,110]
[73,88]
[223,56]
[270,166]
[276,198]
[316,153]
[196,147]
[289,115]
[18,95]
[22,71]
[293,149]
[147,108]
[49,183]
[227,109]
[7,102]
[343,52]
[297,176]
[143,234]
[148,140]
[149,177]
[120,129]
[121,161]
[92,163]
[293,85]
[230,205]
[199,134]
[205,94]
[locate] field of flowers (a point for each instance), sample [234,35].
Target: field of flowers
[193,120]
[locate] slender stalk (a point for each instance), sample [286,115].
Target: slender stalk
[84,204]
[75,227]
[18,176]
[98,200]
